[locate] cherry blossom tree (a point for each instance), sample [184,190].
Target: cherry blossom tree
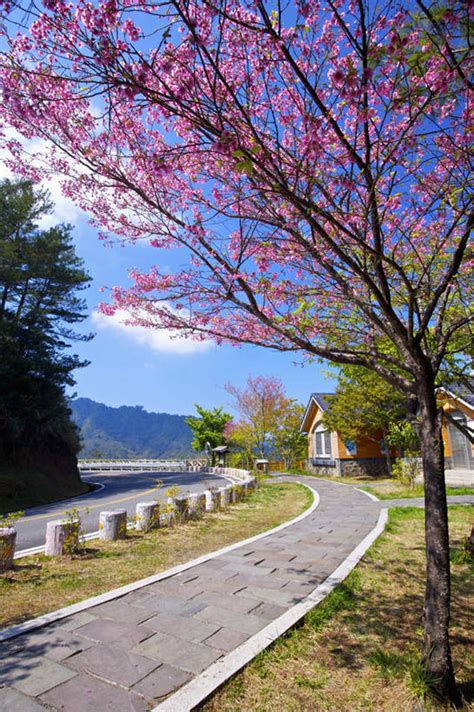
[261,405]
[309,158]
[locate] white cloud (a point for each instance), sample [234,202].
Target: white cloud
[64,210]
[161,340]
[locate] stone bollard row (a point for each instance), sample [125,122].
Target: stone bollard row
[149,515]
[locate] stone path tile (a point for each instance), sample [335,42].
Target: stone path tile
[227,601]
[190,657]
[269,611]
[244,622]
[13,701]
[120,634]
[122,611]
[275,581]
[113,664]
[169,604]
[182,627]
[88,694]
[227,639]
[55,644]
[33,675]
[161,682]
[76,620]
[281,597]
[128,653]
[248,569]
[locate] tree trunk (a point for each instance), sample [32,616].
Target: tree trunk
[436,653]
[388,459]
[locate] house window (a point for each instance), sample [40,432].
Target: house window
[322,442]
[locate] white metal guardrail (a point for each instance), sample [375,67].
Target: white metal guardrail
[141,465]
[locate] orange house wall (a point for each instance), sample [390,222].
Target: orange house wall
[366,447]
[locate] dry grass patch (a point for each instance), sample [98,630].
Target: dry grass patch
[40,584]
[360,649]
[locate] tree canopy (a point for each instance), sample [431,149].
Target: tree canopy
[208,427]
[312,160]
[363,404]
[269,421]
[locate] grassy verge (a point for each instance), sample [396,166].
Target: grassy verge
[359,650]
[398,491]
[40,584]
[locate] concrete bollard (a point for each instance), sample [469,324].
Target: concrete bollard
[216,498]
[197,504]
[7,547]
[209,501]
[168,513]
[238,492]
[113,525]
[181,507]
[225,496]
[147,516]
[61,535]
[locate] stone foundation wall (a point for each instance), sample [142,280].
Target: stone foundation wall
[369,466]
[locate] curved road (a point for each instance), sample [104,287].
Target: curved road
[118,490]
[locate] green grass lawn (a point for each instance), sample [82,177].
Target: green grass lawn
[359,651]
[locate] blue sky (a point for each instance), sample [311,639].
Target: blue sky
[131,366]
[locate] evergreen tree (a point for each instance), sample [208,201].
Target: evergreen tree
[208,428]
[40,278]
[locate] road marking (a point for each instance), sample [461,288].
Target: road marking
[139,493]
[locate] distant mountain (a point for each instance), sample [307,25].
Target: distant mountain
[129,431]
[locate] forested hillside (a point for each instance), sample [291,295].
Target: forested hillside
[129,431]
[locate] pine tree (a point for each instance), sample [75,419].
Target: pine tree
[40,278]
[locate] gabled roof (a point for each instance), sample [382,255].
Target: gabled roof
[318,399]
[462,393]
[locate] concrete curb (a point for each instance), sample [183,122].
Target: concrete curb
[367,494]
[202,686]
[41,621]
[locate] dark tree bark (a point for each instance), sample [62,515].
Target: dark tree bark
[436,650]
[388,459]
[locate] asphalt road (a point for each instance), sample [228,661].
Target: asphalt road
[118,490]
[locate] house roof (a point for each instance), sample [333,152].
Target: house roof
[463,392]
[321,400]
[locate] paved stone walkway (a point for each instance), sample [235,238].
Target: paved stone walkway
[420,502]
[130,653]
